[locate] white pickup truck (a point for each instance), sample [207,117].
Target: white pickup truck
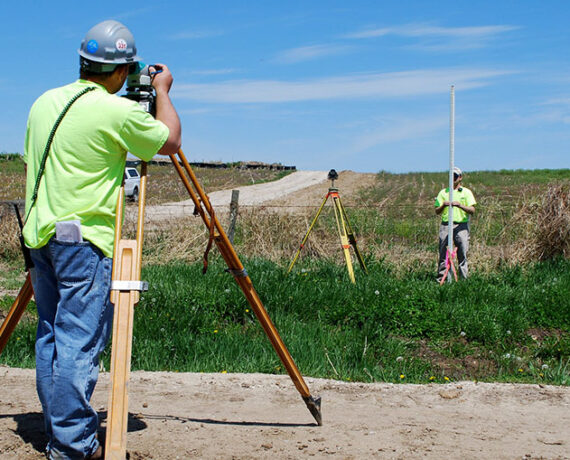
[132,183]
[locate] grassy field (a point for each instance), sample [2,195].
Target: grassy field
[513,325]
[510,321]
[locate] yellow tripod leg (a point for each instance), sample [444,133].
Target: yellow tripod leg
[16,311]
[351,237]
[306,237]
[341,226]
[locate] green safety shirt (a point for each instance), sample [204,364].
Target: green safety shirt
[86,162]
[464,196]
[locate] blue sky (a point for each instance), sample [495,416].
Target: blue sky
[361,85]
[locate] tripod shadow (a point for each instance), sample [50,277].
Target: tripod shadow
[209,421]
[30,427]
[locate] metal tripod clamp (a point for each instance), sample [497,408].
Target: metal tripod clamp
[237,273]
[120,285]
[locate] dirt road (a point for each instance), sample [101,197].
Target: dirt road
[248,195]
[253,416]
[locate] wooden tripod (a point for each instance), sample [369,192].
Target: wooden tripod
[347,238]
[125,293]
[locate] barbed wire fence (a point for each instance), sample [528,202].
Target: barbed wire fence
[500,228]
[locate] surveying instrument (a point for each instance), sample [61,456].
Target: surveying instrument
[126,287]
[347,238]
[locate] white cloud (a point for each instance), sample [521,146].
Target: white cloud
[438,38]
[557,101]
[307,53]
[196,34]
[213,71]
[133,12]
[376,85]
[393,131]
[418,30]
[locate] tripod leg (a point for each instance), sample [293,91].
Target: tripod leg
[124,295]
[241,277]
[117,416]
[352,238]
[341,226]
[306,237]
[16,311]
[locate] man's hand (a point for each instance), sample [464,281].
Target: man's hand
[165,112]
[468,209]
[161,78]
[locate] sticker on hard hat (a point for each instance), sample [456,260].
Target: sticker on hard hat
[121,44]
[92,46]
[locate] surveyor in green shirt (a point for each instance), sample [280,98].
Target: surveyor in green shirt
[74,171]
[463,207]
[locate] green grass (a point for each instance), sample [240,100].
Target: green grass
[505,323]
[511,326]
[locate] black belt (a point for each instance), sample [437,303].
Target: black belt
[447,223]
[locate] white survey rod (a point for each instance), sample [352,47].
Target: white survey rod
[451,166]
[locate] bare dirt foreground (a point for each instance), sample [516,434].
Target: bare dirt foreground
[254,416]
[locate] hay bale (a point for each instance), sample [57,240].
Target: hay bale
[546,223]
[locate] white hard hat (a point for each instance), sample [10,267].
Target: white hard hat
[108,43]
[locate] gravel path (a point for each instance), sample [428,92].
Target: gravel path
[248,195]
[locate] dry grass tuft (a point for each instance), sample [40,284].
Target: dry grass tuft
[9,233]
[545,222]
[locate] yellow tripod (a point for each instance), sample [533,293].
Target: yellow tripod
[345,232]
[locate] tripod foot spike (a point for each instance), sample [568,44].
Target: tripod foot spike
[314,406]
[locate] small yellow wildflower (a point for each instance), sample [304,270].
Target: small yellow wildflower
[215,331]
[446,379]
[402,376]
[520,370]
[432,378]
[224,372]
[247,310]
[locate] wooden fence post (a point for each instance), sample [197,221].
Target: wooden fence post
[233,215]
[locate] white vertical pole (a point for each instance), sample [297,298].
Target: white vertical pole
[451,165]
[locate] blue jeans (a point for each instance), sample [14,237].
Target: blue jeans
[72,284]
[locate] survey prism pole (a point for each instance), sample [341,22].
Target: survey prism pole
[451,166]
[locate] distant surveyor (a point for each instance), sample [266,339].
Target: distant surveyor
[463,207]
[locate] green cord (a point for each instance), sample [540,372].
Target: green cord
[48,146]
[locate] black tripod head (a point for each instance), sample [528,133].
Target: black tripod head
[333,175]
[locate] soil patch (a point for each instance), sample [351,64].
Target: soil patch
[255,416]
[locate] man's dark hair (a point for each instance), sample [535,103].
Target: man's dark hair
[95,69]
